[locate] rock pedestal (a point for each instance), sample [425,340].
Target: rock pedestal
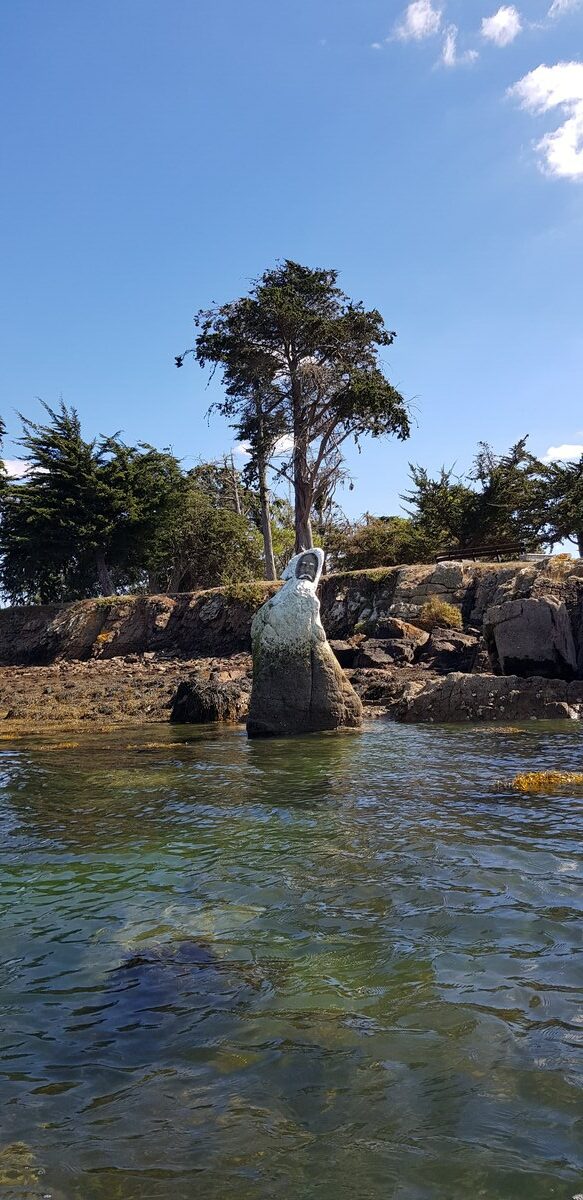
[298,684]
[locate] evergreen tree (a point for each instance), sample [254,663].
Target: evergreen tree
[563,489]
[508,505]
[82,521]
[204,544]
[310,356]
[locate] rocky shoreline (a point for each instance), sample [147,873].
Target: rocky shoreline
[134,660]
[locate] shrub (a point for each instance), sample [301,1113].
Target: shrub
[438,613]
[380,542]
[559,566]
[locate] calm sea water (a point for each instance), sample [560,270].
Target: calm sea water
[335,967]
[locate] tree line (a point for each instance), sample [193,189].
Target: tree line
[99,517]
[302,373]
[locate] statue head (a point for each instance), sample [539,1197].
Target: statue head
[307,566]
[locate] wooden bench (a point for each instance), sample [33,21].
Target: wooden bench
[514,550]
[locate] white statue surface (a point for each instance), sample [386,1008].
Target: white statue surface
[291,618]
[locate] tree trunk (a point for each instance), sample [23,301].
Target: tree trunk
[261,452]
[580,543]
[270,572]
[235,487]
[303,505]
[103,575]
[303,485]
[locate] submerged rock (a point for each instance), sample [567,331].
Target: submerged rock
[298,684]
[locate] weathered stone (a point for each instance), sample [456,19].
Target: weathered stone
[394,627]
[531,637]
[450,650]
[344,651]
[298,684]
[459,697]
[202,701]
[385,690]
[375,652]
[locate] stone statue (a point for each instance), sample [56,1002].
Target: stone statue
[298,685]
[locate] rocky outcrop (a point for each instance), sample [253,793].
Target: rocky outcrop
[459,697]
[218,622]
[298,684]
[531,637]
[132,690]
[198,624]
[123,658]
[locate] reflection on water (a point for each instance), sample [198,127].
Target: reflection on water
[333,967]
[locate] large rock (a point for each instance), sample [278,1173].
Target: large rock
[460,697]
[381,652]
[202,701]
[298,684]
[385,690]
[395,629]
[531,637]
[450,650]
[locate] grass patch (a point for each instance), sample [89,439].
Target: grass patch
[251,595]
[437,613]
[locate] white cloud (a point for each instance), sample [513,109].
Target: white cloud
[449,54]
[420,20]
[564,453]
[376,45]
[282,446]
[559,86]
[16,468]
[559,7]
[503,26]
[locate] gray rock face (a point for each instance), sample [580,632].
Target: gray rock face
[531,637]
[450,650]
[380,652]
[298,684]
[458,697]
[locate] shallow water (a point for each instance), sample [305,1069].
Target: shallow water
[334,967]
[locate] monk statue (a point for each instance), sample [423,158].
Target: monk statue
[298,684]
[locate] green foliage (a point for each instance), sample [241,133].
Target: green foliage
[204,545]
[104,517]
[81,521]
[503,500]
[379,542]
[298,357]
[563,484]
[437,613]
[251,595]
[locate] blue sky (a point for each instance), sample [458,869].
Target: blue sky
[159,154]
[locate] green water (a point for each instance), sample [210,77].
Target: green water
[334,967]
